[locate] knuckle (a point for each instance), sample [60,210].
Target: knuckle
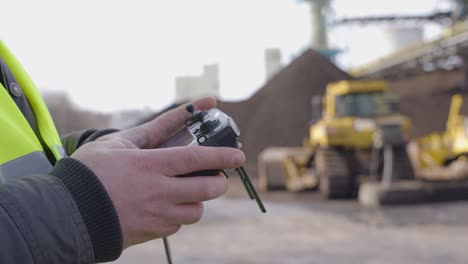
[117,141]
[208,192]
[229,157]
[199,211]
[156,197]
[191,159]
[224,184]
[152,196]
[214,188]
[195,214]
[226,159]
[163,132]
[170,230]
[142,163]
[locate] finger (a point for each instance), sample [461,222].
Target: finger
[184,160]
[185,214]
[166,125]
[205,103]
[196,189]
[153,133]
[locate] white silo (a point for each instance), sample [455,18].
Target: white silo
[395,38]
[272,62]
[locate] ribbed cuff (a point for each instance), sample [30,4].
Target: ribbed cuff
[95,206]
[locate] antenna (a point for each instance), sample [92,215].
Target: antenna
[167,248]
[250,188]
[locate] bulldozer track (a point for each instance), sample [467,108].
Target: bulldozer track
[403,164]
[334,173]
[400,165]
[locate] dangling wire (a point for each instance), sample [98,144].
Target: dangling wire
[250,188]
[168,250]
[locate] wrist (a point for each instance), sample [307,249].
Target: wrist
[95,206]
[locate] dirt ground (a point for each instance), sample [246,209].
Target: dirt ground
[302,228]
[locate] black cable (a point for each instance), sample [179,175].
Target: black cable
[168,250]
[250,188]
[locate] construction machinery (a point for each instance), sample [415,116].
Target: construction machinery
[357,135]
[444,156]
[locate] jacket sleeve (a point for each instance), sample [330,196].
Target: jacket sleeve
[74,140]
[40,223]
[64,217]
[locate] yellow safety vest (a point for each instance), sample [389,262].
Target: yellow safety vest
[21,153]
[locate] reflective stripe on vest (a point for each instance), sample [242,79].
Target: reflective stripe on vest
[30,164]
[19,144]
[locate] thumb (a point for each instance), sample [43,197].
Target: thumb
[152,134]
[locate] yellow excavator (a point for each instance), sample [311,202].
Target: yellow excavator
[357,135]
[444,156]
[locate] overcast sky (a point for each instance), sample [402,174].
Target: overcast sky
[111,54]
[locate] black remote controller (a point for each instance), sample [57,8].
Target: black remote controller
[211,128]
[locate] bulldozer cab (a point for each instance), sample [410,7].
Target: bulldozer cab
[366,105]
[354,111]
[362,99]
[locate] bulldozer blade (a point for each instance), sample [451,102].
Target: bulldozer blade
[411,192]
[307,181]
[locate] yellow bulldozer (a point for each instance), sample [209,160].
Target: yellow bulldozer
[444,156]
[356,135]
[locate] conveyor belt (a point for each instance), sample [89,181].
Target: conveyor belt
[413,58]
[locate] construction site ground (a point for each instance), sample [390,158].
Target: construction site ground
[303,228]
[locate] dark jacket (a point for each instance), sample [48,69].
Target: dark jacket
[65,216]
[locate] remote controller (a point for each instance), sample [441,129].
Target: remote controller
[211,128]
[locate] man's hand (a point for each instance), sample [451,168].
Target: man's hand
[150,200]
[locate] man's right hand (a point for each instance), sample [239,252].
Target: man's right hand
[150,200]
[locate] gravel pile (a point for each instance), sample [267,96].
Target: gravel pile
[279,113]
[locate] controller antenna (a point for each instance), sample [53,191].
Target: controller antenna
[250,188]
[168,250]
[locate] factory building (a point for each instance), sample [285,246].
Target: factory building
[192,87]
